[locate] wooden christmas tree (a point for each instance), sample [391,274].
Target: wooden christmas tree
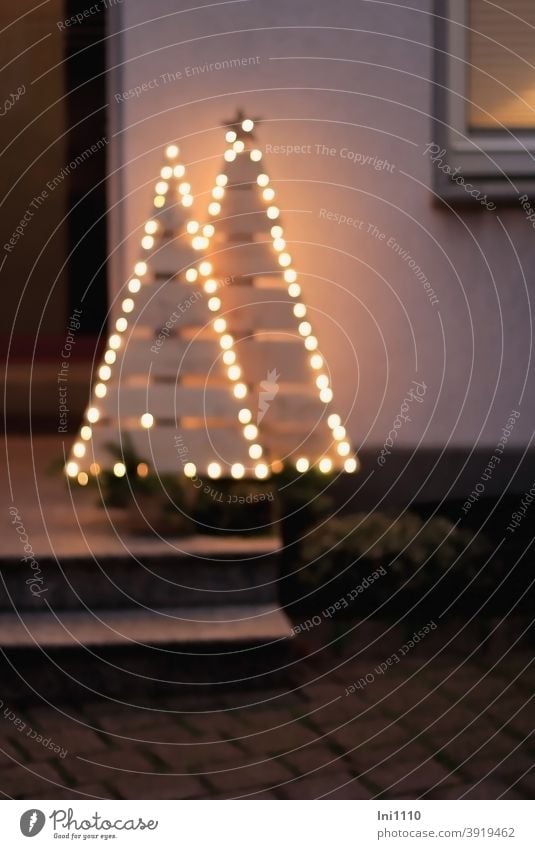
[268,350]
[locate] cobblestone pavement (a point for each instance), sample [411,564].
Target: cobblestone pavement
[432,728]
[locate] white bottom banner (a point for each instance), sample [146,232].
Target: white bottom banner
[246,824]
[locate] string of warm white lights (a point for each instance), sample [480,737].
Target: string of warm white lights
[171,171]
[250,431]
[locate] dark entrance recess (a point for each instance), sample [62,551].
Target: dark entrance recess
[85,82]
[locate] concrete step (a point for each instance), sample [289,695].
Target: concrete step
[143,627]
[208,572]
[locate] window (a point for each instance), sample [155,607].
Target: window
[485,94]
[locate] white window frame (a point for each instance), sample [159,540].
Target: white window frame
[486,155]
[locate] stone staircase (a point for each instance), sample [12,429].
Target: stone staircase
[140,624]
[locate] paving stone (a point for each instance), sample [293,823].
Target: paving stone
[280,740]
[395,777]
[197,758]
[20,783]
[158,787]
[88,791]
[109,766]
[311,758]
[251,778]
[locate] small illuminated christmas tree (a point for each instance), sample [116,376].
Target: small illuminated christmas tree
[160,394]
[268,348]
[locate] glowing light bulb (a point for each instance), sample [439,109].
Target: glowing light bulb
[83,478]
[184,188]
[134,285]
[147,420]
[240,390]
[230,136]
[210,287]
[268,194]
[279,244]
[214,470]
[161,188]
[100,390]
[302,464]
[121,324]
[305,328]
[299,310]
[276,231]
[208,230]
[294,290]
[226,341]
[220,325]
[255,451]
[151,227]
[316,361]
[140,268]
[72,469]
[199,243]
[284,259]
[205,268]
[262,180]
[190,470]
[179,171]
[218,192]
[261,471]
[325,465]
[221,180]
[234,372]
[272,212]
[187,200]
[191,275]
[229,357]
[147,243]
[311,343]
[237,470]
[247,125]
[192,227]
[127,305]
[250,432]
[277,466]
[104,372]
[334,420]
[214,208]
[256,155]
[290,275]
[166,172]
[172,151]
[159,201]
[229,155]
[110,357]
[94,468]
[119,470]
[343,448]
[350,465]
[339,431]
[214,304]
[322,381]
[245,416]
[238,146]
[92,415]
[86,432]
[326,395]
[142,470]
[78,449]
